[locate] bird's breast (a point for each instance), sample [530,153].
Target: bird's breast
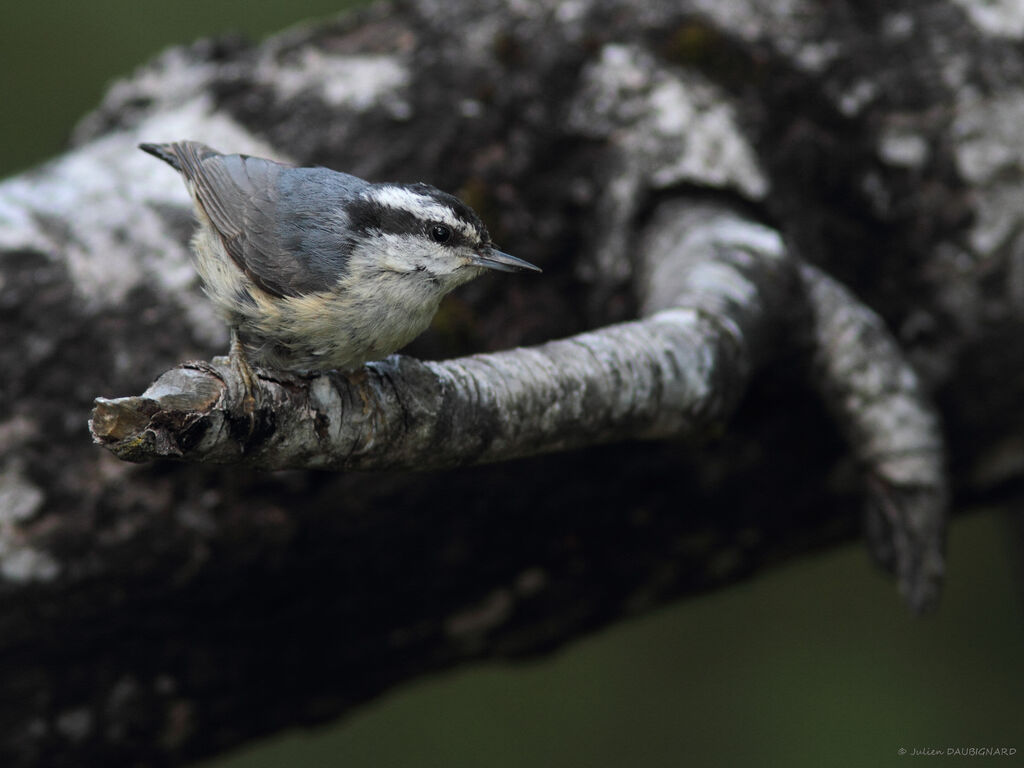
[339,328]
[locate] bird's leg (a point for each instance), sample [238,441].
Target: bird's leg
[239,362]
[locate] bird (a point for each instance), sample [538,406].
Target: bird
[314,269]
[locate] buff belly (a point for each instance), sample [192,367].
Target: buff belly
[316,331]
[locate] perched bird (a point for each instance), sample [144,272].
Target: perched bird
[314,269]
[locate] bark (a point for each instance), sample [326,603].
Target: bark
[732,203]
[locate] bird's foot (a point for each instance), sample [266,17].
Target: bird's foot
[240,365]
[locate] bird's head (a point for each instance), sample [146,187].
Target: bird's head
[418,230]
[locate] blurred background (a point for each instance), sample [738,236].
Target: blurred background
[815,663]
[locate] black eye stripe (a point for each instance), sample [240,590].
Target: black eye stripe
[368,214]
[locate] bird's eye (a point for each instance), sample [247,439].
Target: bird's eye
[439,233]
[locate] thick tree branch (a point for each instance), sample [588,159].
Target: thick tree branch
[629,154]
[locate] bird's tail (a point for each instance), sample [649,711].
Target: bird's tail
[180,154]
[166,152]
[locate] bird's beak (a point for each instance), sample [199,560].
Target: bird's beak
[492,258]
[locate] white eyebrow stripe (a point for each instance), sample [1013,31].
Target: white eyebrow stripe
[422,207]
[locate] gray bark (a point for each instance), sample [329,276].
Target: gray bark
[605,143]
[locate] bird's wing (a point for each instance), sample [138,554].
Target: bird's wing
[242,197]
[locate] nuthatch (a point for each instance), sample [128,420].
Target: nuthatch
[314,269]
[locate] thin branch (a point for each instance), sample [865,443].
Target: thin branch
[872,391]
[893,430]
[671,374]
[716,287]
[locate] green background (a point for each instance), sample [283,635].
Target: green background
[813,664]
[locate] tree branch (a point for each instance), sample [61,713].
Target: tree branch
[717,287]
[670,375]
[629,154]
[877,401]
